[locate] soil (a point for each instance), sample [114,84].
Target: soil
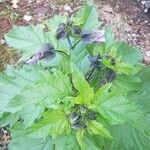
[4,138]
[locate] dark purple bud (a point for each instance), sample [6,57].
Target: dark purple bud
[77,30]
[69,23]
[77,125]
[60,32]
[93,37]
[46,51]
[99,36]
[34,59]
[95,62]
[83,109]
[113,61]
[106,57]
[46,47]
[74,117]
[110,75]
[86,37]
[92,116]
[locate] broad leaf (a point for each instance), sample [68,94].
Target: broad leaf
[117,109]
[97,128]
[55,22]
[86,93]
[49,88]
[26,39]
[91,143]
[127,137]
[86,15]
[9,119]
[25,143]
[30,113]
[80,136]
[18,80]
[54,122]
[110,39]
[66,142]
[129,54]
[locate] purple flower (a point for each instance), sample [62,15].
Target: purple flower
[61,32]
[93,37]
[95,61]
[76,30]
[46,51]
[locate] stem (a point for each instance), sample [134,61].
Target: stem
[75,44]
[90,73]
[59,51]
[69,41]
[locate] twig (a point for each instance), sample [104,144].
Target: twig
[69,41]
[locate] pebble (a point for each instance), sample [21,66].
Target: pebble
[68,8]
[2,41]
[27,17]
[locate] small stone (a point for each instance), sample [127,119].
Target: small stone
[143,2]
[15,3]
[146,10]
[27,17]
[3,41]
[67,8]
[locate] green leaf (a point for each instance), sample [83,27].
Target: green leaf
[86,15]
[9,119]
[54,122]
[86,93]
[66,142]
[102,92]
[21,141]
[25,143]
[117,109]
[126,68]
[79,56]
[142,94]
[91,143]
[53,23]
[26,39]
[127,137]
[128,53]
[95,127]
[30,113]
[110,38]
[18,80]
[125,83]
[79,136]
[46,90]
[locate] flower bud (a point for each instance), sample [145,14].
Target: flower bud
[93,37]
[60,32]
[74,118]
[77,30]
[95,61]
[83,109]
[92,116]
[113,61]
[110,75]
[46,51]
